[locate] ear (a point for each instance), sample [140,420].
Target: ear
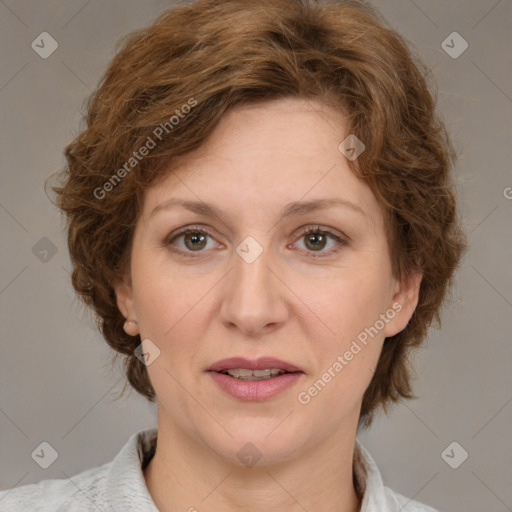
[124,297]
[405,300]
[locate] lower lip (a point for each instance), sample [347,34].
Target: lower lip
[255,390]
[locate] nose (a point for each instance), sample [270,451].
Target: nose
[254,295]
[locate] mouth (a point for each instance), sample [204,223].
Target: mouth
[254,380]
[247,369]
[246,374]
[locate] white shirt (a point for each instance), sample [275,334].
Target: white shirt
[119,486]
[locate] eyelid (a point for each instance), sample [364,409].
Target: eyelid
[188,229]
[341,239]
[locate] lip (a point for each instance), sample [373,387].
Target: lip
[254,390]
[262,363]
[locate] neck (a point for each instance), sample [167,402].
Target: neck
[186,475]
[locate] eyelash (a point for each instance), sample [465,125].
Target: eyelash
[303,233]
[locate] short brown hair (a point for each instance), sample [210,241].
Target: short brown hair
[220,55]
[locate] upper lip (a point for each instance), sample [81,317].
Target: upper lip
[262,363]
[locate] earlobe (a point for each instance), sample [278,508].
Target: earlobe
[404,304]
[125,303]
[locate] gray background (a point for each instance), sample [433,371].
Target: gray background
[56,384]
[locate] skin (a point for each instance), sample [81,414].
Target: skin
[307,311]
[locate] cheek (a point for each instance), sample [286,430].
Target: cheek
[345,360]
[350,303]
[164,296]
[173,317]
[348,350]
[168,309]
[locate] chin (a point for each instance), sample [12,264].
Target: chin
[257,442]
[259,453]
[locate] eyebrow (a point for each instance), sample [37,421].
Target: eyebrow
[294,209]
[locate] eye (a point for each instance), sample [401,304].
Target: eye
[194,239]
[316,240]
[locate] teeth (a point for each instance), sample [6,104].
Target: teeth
[245,374]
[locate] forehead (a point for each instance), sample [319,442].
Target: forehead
[295,127]
[262,157]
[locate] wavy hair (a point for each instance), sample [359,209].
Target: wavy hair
[197,62]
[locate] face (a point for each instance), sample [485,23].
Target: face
[248,281]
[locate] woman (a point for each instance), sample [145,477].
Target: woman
[254,205]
